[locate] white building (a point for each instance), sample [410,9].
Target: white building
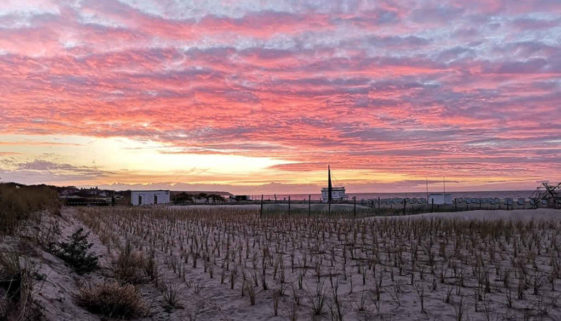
[337,194]
[440,198]
[149,197]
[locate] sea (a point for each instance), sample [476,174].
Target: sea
[369,196]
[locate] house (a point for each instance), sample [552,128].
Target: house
[440,198]
[150,197]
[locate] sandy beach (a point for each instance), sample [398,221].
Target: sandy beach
[327,259]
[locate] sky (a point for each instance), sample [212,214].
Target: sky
[256,96]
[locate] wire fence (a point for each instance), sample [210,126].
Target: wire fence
[393,206]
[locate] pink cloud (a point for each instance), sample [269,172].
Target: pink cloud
[396,88]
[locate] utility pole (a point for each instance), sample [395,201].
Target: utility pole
[329,189]
[354,206]
[427,183]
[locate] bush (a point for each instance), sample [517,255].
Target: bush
[75,252]
[113,300]
[131,266]
[171,301]
[18,203]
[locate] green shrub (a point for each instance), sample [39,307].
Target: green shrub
[75,252]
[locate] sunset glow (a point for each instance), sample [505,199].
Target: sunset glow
[251,96]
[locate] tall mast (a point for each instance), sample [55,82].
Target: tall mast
[427,183]
[329,186]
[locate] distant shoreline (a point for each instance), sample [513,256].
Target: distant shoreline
[455,194]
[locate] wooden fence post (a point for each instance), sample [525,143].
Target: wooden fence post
[288,204]
[354,206]
[309,205]
[261,209]
[432,205]
[404,205]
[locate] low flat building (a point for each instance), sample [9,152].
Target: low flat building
[337,194]
[440,198]
[150,197]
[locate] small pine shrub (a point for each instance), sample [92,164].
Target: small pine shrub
[75,252]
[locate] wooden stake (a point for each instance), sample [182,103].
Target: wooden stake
[354,206]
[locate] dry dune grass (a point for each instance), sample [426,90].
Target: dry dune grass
[338,268]
[112,299]
[131,266]
[19,203]
[16,285]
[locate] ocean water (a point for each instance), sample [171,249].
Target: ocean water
[366,196]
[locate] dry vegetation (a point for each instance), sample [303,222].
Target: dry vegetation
[297,267]
[112,299]
[19,203]
[15,287]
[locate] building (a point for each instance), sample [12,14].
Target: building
[440,198]
[337,194]
[150,197]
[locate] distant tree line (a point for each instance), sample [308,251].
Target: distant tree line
[549,194]
[190,198]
